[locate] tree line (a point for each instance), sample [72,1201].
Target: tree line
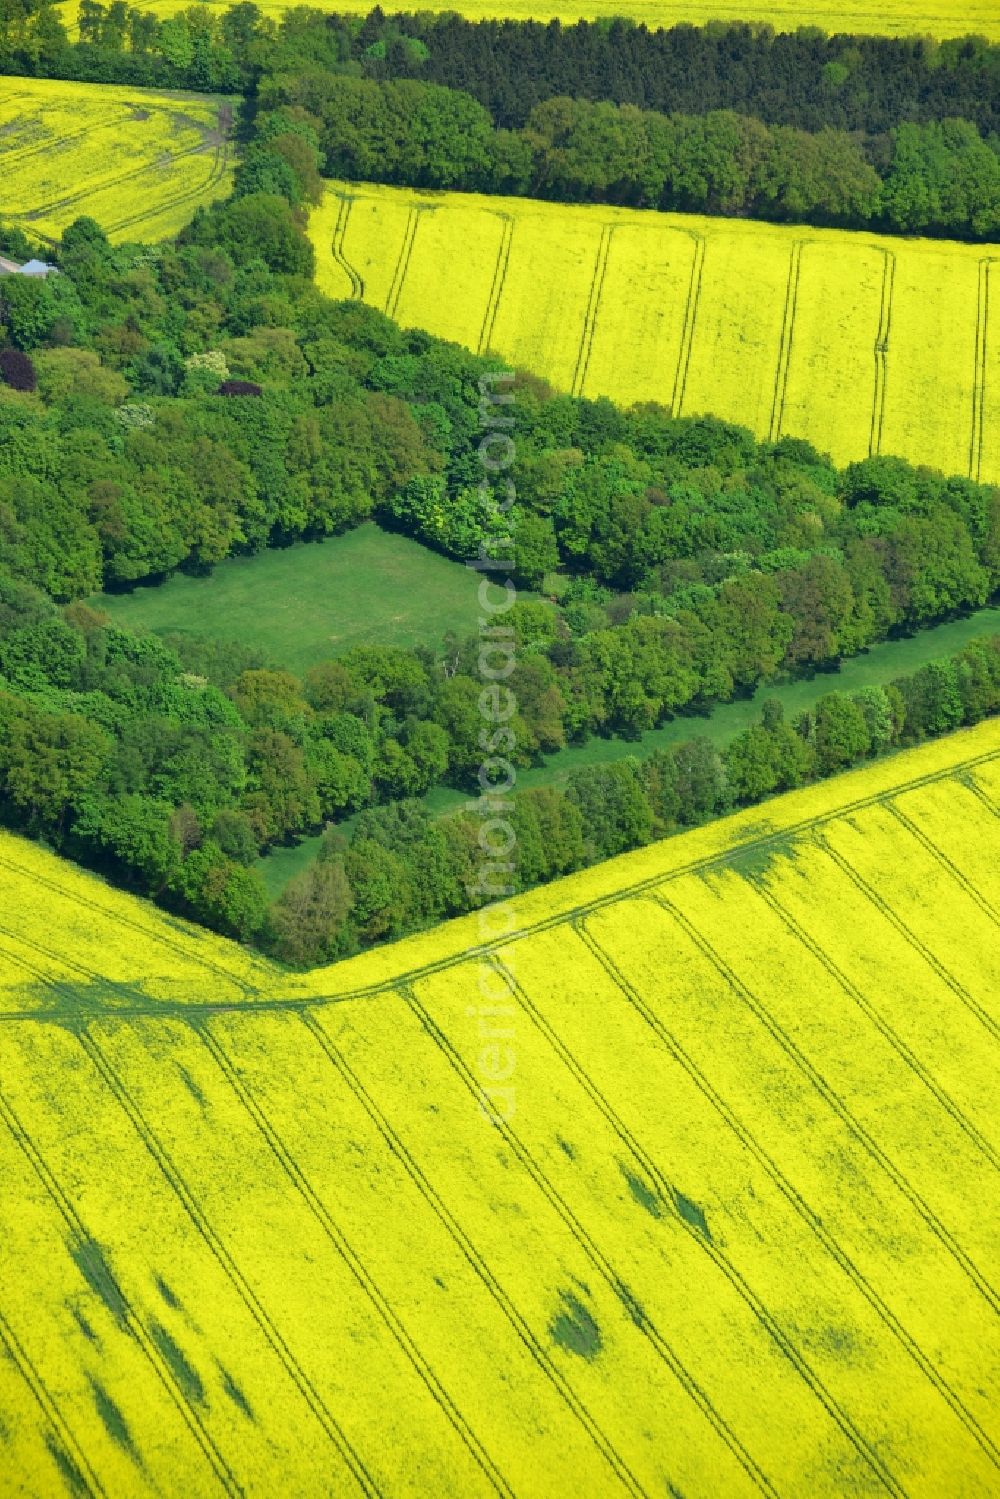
[428,867]
[124,44]
[899,135]
[803,78]
[938,178]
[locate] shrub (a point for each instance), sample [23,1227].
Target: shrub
[203,373]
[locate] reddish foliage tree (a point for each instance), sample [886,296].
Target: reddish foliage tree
[239,388]
[17,370]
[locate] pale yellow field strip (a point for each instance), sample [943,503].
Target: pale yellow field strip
[97,1364]
[139,161]
[32,107]
[985,456]
[831,361]
[875,1092]
[880,977]
[939,815]
[648,301]
[472,272]
[858,343]
[325,225]
[530,326]
[691,1298]
[932,359]
[31,1445]
[517,1219]
[186,1312]
[373,242]
[740,315]
[986,778]
[965,944]
[156,196]
[26,972]
[297,1264]
[825,1169]
[939,18]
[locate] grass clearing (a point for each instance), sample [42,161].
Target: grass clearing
[366,1265]
[313,600]
[858,342]
[139,161]
[283,863]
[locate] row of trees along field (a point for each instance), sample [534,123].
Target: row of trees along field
[167,406]
[170,780]
[848,131]
[935,178]
[429,868]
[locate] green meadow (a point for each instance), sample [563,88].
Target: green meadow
[313,600]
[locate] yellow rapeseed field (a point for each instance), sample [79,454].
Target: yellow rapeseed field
[860,343]
[137,160]
[727,1226]
[939,18]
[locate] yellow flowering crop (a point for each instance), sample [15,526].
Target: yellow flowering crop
[858,342]
[685,1184]
[139,161]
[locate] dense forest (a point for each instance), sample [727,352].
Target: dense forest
[166,406]
[846,131]
[802,78]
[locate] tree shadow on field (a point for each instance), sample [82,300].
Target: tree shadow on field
[75,1000]
[756,862]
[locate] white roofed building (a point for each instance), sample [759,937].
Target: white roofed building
[30,268]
